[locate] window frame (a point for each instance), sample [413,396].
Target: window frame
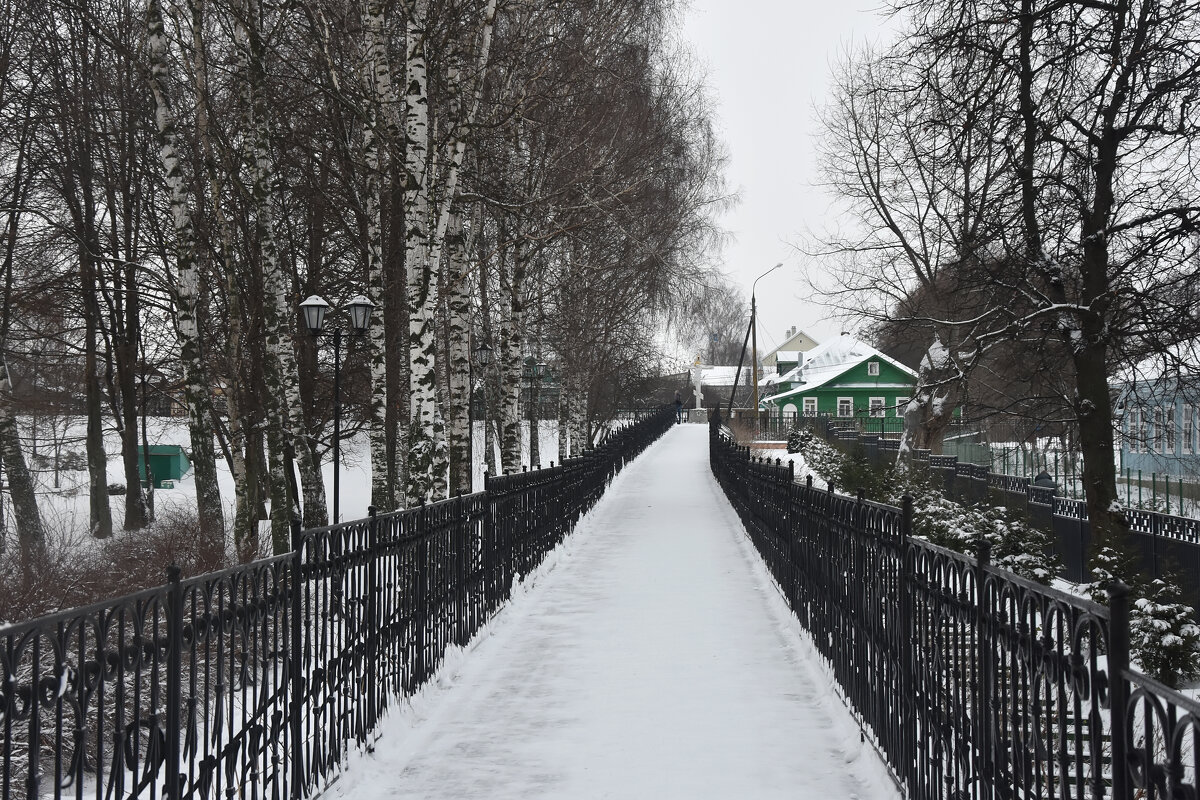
[873,369]
[807,411]
[1169,430]
[879,410]
[849,415]
[1188,426]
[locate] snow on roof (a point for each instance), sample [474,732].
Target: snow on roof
[826,361]
[724,376]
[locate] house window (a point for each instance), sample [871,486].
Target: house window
[872,367]
[1156,438]
[1142,436]
[810,406]
[878,407]
[1189,428]
[1169,430]
[845,406]
[901,402]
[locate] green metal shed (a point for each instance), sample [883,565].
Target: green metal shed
[168,462]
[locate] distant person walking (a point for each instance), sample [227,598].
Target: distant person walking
[678,408]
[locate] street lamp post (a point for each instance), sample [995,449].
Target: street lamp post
[315,308]
[754,338]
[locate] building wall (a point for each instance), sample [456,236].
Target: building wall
[1160,431]
[859,386]
[800,341]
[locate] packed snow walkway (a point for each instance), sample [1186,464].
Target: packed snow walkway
[650,657]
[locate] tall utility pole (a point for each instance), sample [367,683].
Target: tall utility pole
[754,338]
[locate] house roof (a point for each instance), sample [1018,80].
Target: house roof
[827,361]
[724,376]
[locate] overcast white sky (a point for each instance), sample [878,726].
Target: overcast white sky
[769,63]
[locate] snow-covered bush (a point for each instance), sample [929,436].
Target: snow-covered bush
[1164,636]
[798,439]
[1164,639]
[1015,545]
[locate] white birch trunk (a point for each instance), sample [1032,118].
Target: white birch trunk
[458,305]
[564,416]
[285,390]
[186,290]
[426,442]
[509,370]
[428,456]
[578,400]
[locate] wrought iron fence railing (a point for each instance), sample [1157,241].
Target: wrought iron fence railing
[1168,545]
[973,682]
[254,681]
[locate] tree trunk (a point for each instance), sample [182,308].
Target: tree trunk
[381,133]
[245,525]
[31,536]
[277,310]
[564,415]
[458,305]
[577,398]
[100,515]
[127,360]
[1089,349]
[186,289]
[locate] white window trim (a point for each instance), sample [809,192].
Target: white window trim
[873,368]
[849,400]
[807,411]
[877,406]
[1156,437]
[1189,429]
[901,402]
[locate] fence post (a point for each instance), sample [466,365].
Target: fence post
[908,735]
[1118,694]
[296,664]
[173,789]
[372,611]
[985,769]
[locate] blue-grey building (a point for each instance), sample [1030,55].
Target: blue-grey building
[1160,426]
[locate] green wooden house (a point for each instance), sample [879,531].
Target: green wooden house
[843,377]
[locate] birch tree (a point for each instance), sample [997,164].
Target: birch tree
[185,286]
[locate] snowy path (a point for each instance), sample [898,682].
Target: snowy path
[650,658]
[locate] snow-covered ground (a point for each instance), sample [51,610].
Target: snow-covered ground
[649,657]
[64,508]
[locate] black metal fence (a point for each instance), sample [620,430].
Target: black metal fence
[973,682]
[253,682]
[1168,546]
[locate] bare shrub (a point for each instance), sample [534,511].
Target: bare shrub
[75,573]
